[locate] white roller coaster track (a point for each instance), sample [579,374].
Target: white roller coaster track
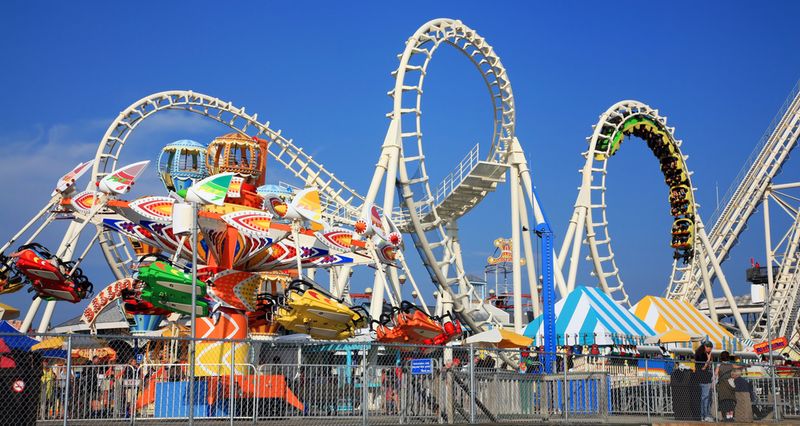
[343,202]
[590,207]
[746,193]
[590,215]
[402,165]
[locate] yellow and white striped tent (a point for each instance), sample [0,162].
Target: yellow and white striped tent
[663,315]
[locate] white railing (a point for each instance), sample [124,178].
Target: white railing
[459,173]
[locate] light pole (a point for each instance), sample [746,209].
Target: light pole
[211,190]
[192,343]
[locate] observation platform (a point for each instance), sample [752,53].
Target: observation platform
[461,190]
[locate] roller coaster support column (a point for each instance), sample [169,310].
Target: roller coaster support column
[548,292]
[533,280]
[768,301]
[517,158]
[387,165]
[723,282]
[516,272]
[712,308]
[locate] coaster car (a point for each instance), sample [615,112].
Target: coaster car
[305,308]
[682,226]
[682,209]
[50,277]
[679,194]
[681,241]
[170,288]
[409,324]
[678,178]
[682,234]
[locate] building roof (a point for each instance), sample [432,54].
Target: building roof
[721,302]
[111,317]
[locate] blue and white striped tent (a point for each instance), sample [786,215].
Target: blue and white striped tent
[591,317]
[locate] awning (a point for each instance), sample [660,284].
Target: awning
[588,316]
[14,339]
[500,338]
[665,315]
[79,341]
[49,343]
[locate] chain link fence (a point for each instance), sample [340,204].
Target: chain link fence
[148,380]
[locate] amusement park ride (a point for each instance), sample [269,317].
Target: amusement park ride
[259,244]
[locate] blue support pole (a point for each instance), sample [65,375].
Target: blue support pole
[548,295]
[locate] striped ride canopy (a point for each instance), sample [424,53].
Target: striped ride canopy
[664,314]
[591,317]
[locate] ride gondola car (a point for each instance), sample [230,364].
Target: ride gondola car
[50,277]
[170,288]
[409,324]
[306,308]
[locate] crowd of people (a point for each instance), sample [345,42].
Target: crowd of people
[97,387]
[736,399]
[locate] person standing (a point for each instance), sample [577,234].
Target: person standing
[726,393]
[703,376]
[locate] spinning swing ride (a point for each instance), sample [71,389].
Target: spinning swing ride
[252,232]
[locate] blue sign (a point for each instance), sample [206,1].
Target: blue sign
[421,366]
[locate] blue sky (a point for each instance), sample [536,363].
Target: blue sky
[320,71]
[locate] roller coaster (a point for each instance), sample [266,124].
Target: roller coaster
[250,229]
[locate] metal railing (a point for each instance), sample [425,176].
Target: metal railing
[368,383]
[457,175]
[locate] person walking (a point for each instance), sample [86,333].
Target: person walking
[703,376]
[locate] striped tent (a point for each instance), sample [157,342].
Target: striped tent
[664,315]
[588,316]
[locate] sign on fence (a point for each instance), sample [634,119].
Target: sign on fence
[763,347]
[421,366]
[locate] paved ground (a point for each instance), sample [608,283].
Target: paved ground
[620,420]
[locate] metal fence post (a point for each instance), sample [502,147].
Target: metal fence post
[566,386]
[714,406]
[364,388]
[137,376]
[776,414]
[68,379]
[647,388]
[231,404]
[472,383]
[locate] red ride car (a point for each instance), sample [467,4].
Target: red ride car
[50,277]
